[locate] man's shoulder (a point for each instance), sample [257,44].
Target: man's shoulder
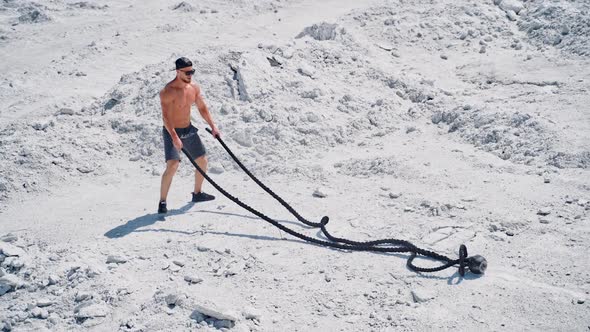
[167,89]
[195,87]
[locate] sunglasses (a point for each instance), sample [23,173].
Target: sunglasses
[189,72]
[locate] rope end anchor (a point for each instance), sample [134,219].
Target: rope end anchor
[477,264]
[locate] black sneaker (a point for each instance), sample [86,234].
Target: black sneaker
[162,207]
[202,197]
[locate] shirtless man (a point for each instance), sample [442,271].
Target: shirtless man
[177,98]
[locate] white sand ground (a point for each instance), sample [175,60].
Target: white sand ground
[477,124]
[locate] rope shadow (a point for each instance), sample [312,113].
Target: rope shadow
[133,225]
[254,218]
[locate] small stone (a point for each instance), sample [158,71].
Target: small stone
[178,262]
[202,249]
[544,211]
[319,194]
[251,314]
[9,250]
[511,15]
[117,259]
[421,296]
[444,57]
[53,279]
[569,200]
[84,169]
[394,195]
[408,209]
[9,238]
[581,301]
[211,311]
[193,279]
[482,50]
[544,221]
[582,202]
[306,70]
[510,233]
[85,311]
[546,180]
[83,296]
[9,282]
[173,299]
[39,313]
[44,303]
[65,111]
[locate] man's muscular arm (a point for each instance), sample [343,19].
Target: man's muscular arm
[166,109]
[204,111]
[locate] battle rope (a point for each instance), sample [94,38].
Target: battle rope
[476,264]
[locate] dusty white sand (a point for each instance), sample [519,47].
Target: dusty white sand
[442,123]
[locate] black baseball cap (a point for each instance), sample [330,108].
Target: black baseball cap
[183,63]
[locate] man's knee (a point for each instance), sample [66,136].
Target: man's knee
[201,160]
[172,166]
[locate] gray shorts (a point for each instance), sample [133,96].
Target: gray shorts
[190,141]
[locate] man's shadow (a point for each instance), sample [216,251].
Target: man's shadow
[146,220]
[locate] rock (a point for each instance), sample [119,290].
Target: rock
[544,211]
[173,299]
[408,209]
[183,7]
[511,15]
[444,57]
[40,313]
[93,310]
[319,194]
[44,303]
[65,111]
[544,221]
[243,138]
[9,250]
[546,180]
[421,295]
[53,279]
[212,311]
[83,296]
[306,70]
[252,314]
[216,170]
[9,282]
[178,262]
[8,238]
[13,263]
[580,301]
[193,279]
[511,5]
[394,195]
[85,169]
[117,259]
[324,31]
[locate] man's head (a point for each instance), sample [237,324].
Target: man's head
[184,69]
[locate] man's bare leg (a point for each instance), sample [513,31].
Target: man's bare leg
[202,162]
[171,167]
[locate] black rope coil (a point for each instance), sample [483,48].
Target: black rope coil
[476,264]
